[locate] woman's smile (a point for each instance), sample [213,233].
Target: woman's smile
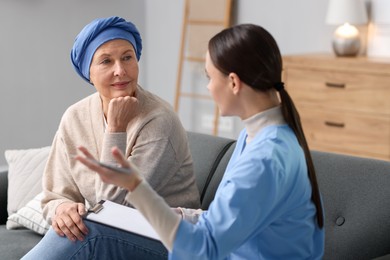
[120,85]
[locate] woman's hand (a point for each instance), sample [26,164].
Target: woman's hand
[129,180]
[68,221]
[120,112]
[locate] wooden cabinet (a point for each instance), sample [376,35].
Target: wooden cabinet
[344,103]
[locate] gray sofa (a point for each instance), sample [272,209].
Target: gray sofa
[355,191]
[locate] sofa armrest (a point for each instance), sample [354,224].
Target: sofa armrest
[209,155]
[3,195]
[215,179]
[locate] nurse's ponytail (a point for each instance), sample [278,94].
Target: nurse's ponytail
[292,118]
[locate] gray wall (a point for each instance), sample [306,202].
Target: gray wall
[38,82]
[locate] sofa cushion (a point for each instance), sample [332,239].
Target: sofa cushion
[356,197]
[25,169]
[30,216]
[16,243]
[208,153]
[3,196]
[216,178]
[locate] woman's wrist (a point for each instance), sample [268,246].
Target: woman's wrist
[133,183]
[116,129]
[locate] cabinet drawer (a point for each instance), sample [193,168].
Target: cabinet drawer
[345,132]
[342,90]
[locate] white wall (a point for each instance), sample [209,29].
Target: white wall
[163,22]
[37,79]
[298,26]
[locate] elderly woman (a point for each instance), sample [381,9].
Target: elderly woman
[121,114]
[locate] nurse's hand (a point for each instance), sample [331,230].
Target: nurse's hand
[127,177]
[68,221]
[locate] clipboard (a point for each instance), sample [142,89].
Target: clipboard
[122,217]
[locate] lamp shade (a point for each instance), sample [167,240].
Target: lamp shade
[346,11]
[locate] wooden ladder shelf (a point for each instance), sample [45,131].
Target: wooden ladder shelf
[202,20]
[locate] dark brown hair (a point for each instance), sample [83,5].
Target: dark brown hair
[253,54]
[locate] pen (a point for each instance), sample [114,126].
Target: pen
[114,168]
[110,166]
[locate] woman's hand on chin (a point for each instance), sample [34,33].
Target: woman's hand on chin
[121,111]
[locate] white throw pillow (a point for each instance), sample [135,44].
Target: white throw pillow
[25,169]
[30,216]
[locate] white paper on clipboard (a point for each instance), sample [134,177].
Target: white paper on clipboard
[122,217]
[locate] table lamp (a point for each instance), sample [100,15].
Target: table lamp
[346,14]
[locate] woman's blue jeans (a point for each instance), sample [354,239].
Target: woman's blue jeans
[102,242]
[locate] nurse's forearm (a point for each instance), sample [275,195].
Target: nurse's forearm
[156,211]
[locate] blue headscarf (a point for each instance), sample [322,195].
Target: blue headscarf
[98,32]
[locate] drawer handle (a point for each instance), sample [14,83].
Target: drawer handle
[334,124]
[335,85]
